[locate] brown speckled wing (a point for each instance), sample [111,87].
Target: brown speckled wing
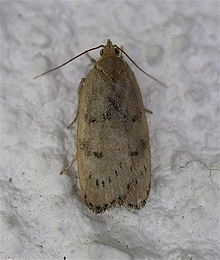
[113,149]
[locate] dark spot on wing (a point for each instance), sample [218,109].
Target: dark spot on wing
[125,116]
[107,115]
[98,154]
[143,144]
[90,119]
[113,103]
[129,186]
[85,146]
[136,117]
[121,199]
[112,202]
[133,153]
[143,203]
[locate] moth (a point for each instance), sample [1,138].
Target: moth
[113,147]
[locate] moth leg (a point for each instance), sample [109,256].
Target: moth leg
[74,121]
[121,53]
[79,92]
[91,59]
[147,110]
[69,166]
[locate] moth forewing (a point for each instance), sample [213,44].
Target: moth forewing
[113,149]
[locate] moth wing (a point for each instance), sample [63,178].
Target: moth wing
[113,150]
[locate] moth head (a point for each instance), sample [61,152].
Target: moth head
[110,50]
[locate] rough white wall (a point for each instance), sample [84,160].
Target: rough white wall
[42,213]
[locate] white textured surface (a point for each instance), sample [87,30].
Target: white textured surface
[42,214]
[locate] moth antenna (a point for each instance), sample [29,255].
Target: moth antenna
[68,61]
[140,67]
